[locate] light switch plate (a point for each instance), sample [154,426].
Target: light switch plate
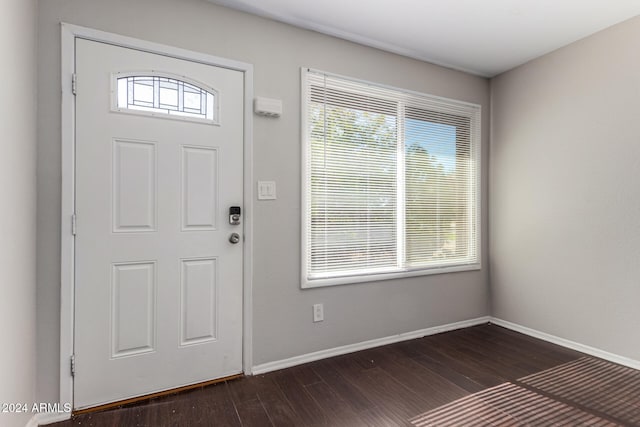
[266,190]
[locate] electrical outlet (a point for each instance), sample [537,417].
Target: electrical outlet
[318,313]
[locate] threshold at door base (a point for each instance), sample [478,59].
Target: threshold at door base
[154,395]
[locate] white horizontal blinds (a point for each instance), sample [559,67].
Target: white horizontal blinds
[441,222]
[352,137]
[392,180]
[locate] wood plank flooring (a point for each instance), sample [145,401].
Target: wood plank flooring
[479,376]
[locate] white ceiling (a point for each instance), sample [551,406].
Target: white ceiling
[484,37]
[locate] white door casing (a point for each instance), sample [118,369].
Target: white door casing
[158,285]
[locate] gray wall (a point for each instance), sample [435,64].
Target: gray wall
[17,215]
[565,195]
[282,311]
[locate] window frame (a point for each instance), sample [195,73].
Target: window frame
[399,272]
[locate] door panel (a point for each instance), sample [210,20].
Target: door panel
[158,285]
[198,308]
[134,186]
[133,313]
[199,188]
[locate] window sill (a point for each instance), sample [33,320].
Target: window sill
[360,278]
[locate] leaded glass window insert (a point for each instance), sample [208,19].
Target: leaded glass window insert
[157,94]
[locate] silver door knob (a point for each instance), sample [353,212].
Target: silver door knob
[234,238]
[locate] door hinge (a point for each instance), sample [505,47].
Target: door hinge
[73,224]
[72,365]
[74,83]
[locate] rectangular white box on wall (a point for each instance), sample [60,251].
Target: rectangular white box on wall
[267,107]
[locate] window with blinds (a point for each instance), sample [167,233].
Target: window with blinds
[391,182]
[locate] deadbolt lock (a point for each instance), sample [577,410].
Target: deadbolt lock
[234,215]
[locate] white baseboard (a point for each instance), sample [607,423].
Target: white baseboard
[350,348]
[592,351]
[44,418]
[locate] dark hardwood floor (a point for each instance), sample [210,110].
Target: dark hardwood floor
[479,376]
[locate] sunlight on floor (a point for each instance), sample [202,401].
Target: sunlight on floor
[586,391]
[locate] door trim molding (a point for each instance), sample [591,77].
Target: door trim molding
[69,33]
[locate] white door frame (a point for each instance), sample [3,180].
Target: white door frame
[67,250]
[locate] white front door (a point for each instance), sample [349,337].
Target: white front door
[159,163]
